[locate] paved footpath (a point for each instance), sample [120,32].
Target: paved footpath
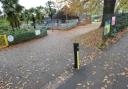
[108,71]
[34,64]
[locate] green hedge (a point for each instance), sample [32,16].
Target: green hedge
[24,35]
[121,21]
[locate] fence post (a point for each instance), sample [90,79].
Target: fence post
[6,40]
[3,41]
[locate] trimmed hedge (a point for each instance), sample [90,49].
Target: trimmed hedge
[25,35]
[121,21]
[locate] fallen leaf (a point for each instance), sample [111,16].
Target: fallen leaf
[93,72]
[84,86]
[88,83]
[102,88]
[53,75]
[123,73]
[106,77]
[79,84]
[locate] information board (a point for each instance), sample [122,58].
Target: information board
[107,27]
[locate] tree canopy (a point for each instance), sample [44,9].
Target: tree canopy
[12,10]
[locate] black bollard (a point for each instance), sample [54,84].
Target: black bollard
[76,56]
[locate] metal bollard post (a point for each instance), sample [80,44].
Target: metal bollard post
[76,56]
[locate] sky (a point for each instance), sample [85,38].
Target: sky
[31,3]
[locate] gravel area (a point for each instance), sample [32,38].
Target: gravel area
[108,71]
[33,64]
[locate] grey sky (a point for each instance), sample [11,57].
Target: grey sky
[31,3]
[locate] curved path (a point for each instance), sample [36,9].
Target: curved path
[33,64]
[108,71]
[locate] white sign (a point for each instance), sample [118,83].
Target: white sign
[10,38]
[113,20]
[37,32]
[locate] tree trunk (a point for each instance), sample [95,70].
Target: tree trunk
[108,10]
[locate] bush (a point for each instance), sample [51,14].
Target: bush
[24,35]
[4,25]
[121,21]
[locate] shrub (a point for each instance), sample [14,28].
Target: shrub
[24,35]
[4,25]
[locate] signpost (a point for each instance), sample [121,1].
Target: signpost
[106,31]
[107,27]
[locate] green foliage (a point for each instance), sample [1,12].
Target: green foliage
[121,24]
[122,5]
[121,21]
[84,6]
[4,25]
[12,10]
[76,8]
[37,12]
[95,7]
[50,8]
